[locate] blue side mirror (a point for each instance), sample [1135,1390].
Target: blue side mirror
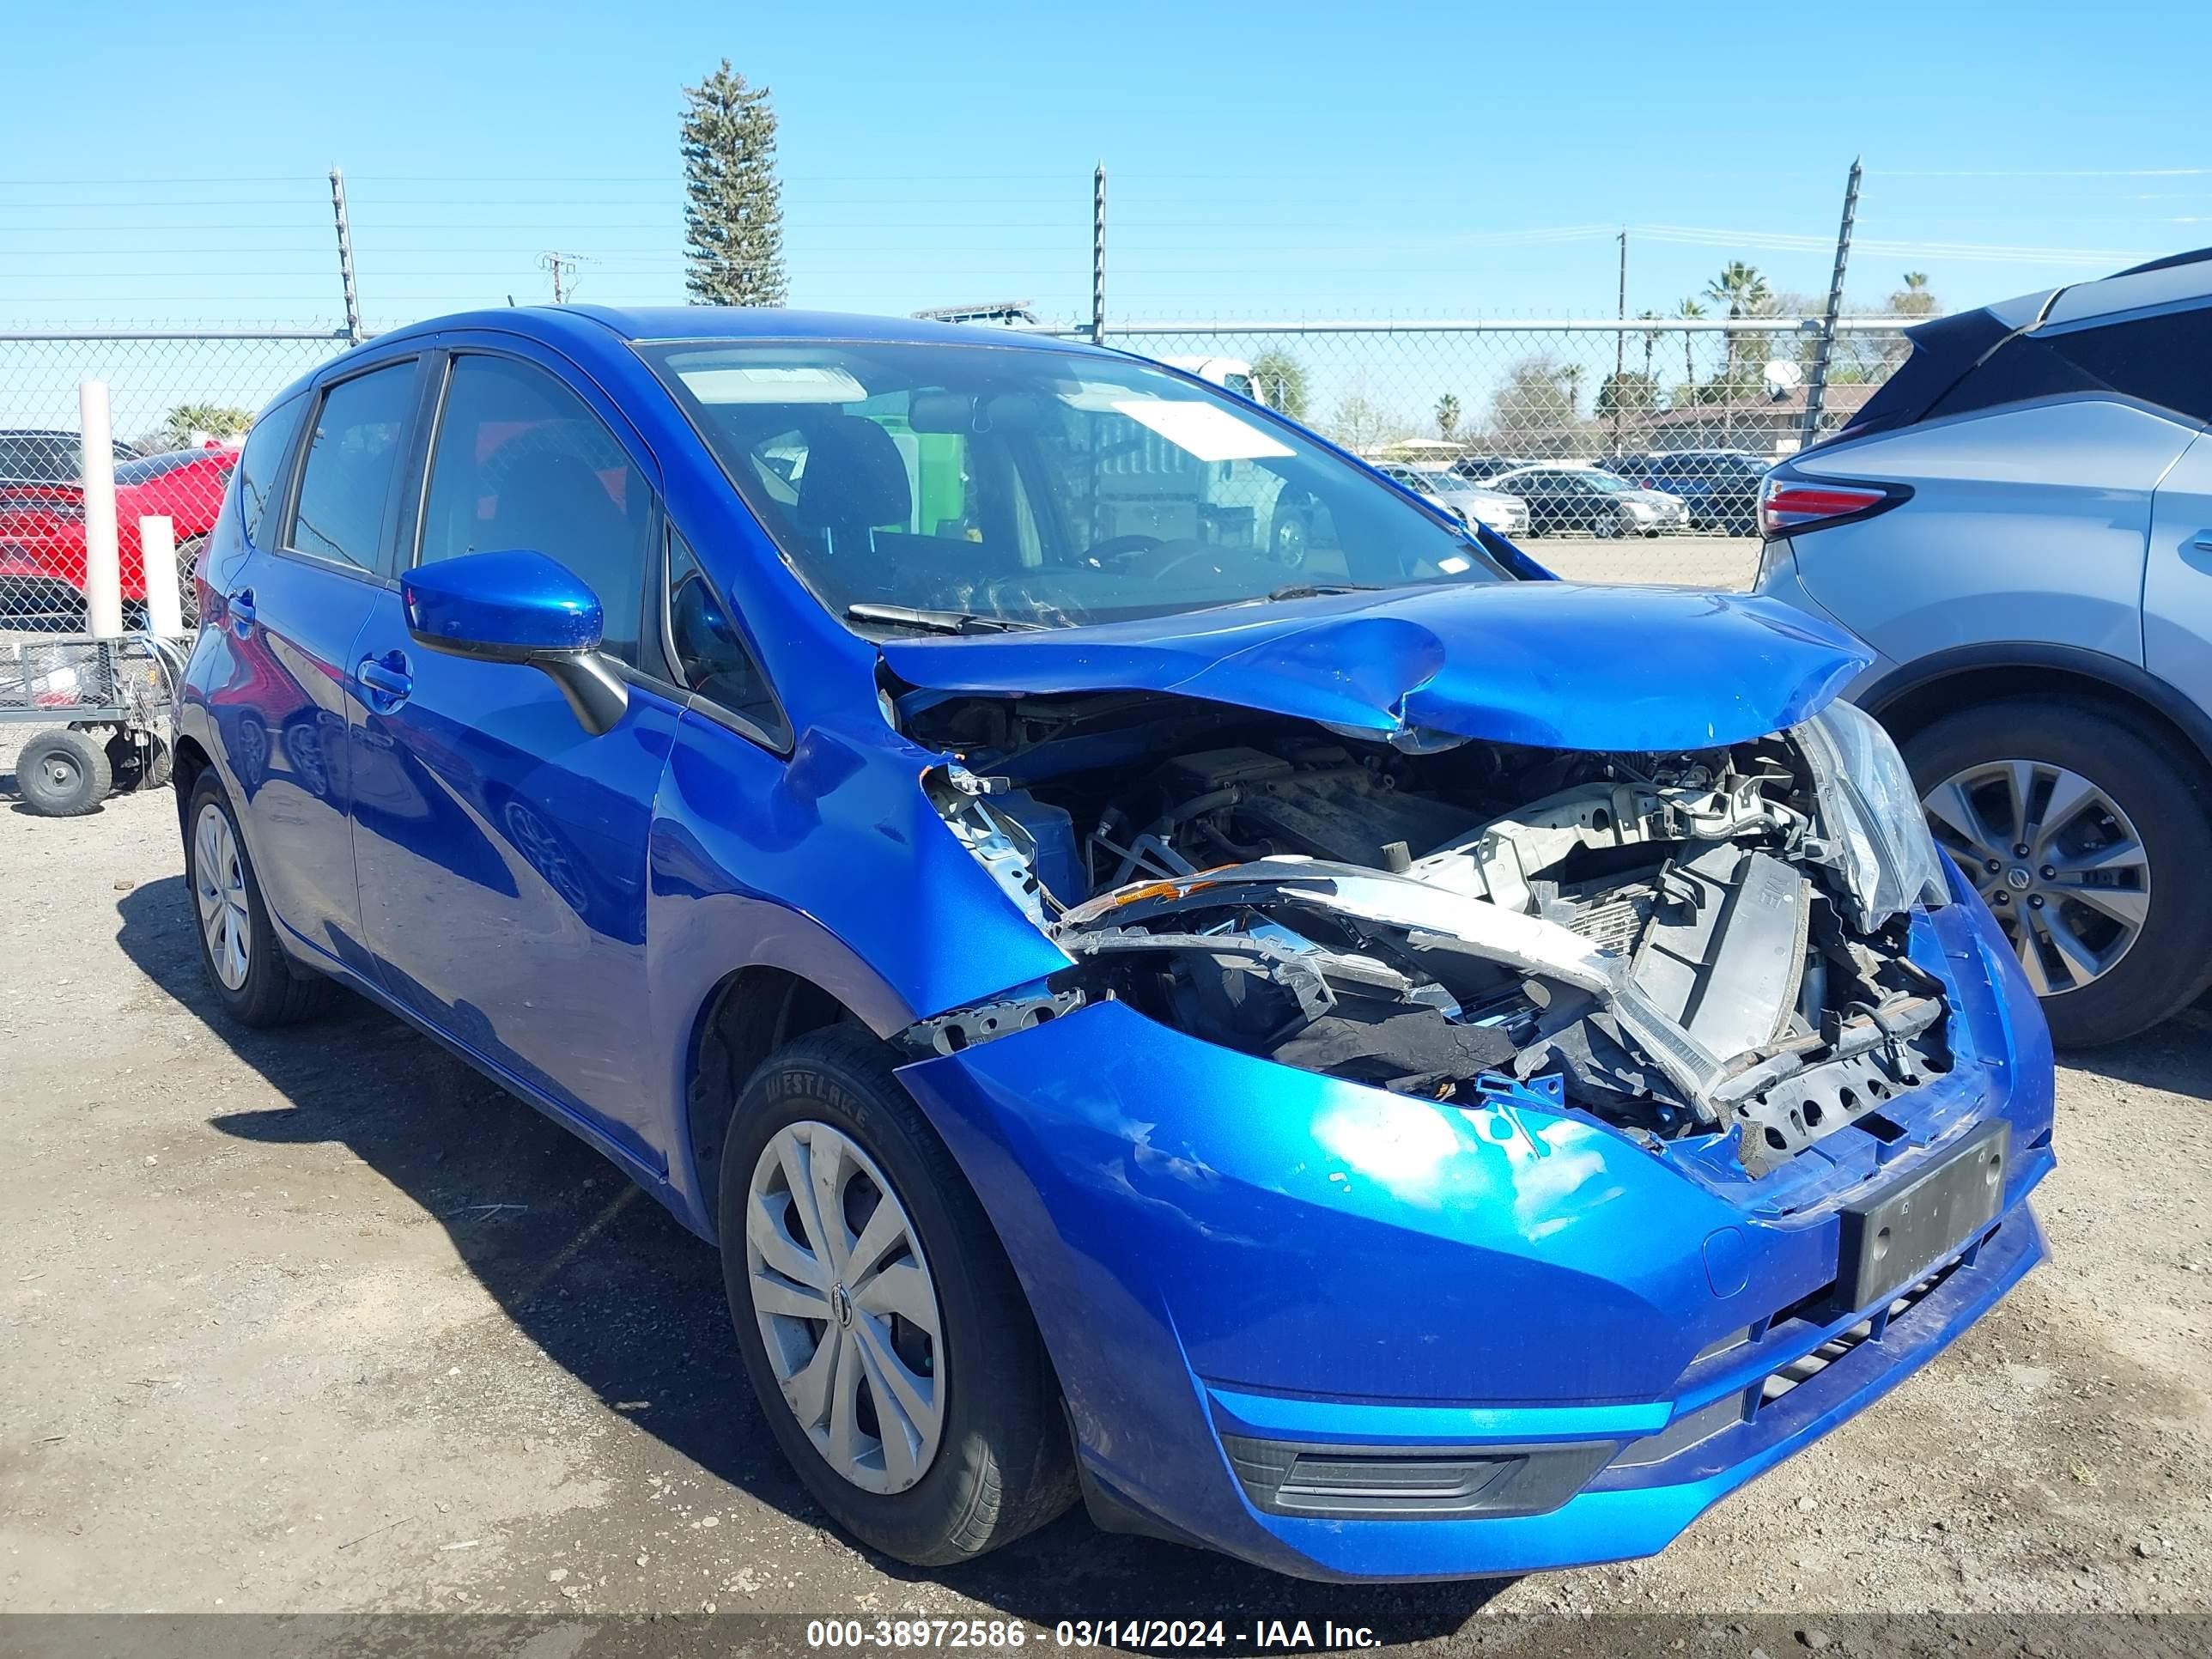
[519,607]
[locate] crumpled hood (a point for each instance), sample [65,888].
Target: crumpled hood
[1551,663]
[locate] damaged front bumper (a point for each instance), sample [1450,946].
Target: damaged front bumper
[1346,1334]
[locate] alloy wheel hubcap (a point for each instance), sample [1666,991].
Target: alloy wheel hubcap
[219,888]
[847,1308]
[2057,861]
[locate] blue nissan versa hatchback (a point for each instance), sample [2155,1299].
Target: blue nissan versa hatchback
[1173,971]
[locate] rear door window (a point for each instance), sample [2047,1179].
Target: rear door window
[38,457]
[352,455]
[2167,361]
[2164,359]
[261,468]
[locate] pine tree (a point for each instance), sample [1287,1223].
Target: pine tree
[733,206]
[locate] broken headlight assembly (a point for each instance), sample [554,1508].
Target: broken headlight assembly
[1889,861]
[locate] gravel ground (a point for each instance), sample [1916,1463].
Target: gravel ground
[319,1321]
[1688,561]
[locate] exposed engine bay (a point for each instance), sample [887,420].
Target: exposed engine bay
[1690,943]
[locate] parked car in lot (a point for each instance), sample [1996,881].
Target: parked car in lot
[1574,497]
[2019,523]
[1719,488]
[1505,513]
[1477,469]
[1405,1069]
[42,545]
[46,455]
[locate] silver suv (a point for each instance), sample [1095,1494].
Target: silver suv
[2019,523]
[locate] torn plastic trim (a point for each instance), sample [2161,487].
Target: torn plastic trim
[1499,859]
[1431,918]
[1843,1073]
[948,1034]
[1002,847]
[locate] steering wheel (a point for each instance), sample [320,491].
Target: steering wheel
[1123,548]
[1168,566]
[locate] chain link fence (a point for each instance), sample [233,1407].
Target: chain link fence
[181,402]
[1618,451]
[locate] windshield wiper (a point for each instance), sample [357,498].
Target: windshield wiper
[939,622]
[1320,589]
[1297,591]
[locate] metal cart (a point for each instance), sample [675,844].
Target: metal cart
[106,705]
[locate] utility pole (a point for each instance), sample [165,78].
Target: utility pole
[1816,389]
[1099,255]
[560,266]
[1621,340]
[355,333]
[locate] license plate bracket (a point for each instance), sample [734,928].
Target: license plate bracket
[1890,1241]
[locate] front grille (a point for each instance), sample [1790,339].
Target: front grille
[1743,1405]
[1811,1366]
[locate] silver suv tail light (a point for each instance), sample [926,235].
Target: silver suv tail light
[1790,503]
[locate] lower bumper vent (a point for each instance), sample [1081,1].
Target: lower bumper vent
[1387,1483]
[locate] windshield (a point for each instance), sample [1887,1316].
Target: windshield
[1037,486]
[1609,483]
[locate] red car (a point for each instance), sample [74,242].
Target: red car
[42,555]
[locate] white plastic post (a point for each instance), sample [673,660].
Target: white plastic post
[157,546]
[103,571]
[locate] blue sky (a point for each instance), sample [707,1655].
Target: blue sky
[1263,161]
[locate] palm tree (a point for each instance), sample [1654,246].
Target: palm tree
[187,424]
[1690,310]
[1913,299]
[1745,293]
[1650,340]
[1741,289]
[1447,416]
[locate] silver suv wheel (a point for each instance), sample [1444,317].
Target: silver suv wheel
[2057,861]
[847,1308]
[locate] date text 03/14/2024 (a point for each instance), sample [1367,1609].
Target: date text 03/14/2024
[1261,1636]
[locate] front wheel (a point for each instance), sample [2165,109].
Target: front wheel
[2091,845]
[885,1335]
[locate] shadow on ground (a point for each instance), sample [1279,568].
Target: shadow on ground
[2175,1055]
[609,1287]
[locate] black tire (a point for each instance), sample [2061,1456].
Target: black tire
[1003,1466]
[188,597]
[2164,794]
[62,774]
[275,990]
[133,766]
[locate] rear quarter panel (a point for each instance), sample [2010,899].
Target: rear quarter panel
[2026,524]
